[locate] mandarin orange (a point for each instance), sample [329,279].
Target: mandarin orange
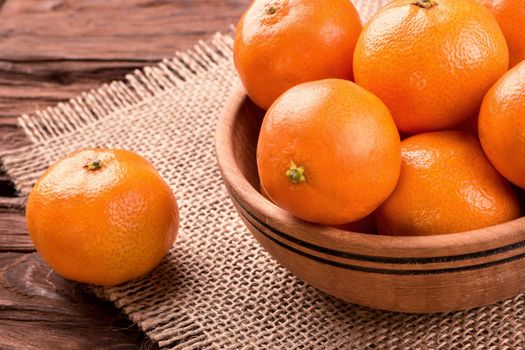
[364,225]
[102,216]
[281,43]
[502,125]
[328,152]
[430,61]
[510,15]
[446,185]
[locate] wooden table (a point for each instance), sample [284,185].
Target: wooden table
[50,51]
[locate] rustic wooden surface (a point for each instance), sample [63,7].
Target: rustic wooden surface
[50,51]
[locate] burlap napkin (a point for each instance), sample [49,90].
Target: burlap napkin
[218,288]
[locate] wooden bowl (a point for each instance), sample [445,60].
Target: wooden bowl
[409,274]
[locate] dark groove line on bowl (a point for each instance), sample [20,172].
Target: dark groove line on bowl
[384,259]
[383,271]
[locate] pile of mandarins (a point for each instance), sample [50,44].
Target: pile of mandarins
[430,138]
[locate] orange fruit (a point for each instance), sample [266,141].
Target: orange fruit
[328,152]
[446,185]
[102,216]
[430,61]
[510,15]
[502,125]
[364,225]
[281,43]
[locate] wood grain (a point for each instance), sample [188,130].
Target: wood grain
[13,232]
[50,51]
[39,309]
[91,42]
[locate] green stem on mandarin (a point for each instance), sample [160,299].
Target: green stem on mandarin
[295,174]
[425,3]
[93,165]
[271,10]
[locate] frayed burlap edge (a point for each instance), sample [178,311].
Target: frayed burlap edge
[93,107]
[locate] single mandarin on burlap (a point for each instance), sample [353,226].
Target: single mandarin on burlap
[102,216]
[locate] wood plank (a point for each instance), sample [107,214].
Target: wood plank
[6,187]
[31,85]
[41,65]
[41,310]
[86,28]
[13,231]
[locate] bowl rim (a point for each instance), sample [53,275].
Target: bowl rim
[472,244]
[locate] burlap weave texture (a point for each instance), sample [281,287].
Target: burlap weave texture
[217,288]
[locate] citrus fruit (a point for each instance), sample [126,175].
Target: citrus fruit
[510,15]
[502,125]
[446,185]
[328,152]
[102,216]
[281,43]
[364,225]
[430,61]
